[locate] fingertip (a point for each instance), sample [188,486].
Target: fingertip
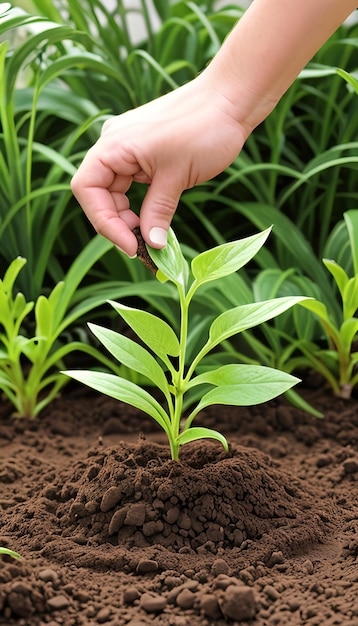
[158,237]
[132,256]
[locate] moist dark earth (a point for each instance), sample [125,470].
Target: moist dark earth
[112,531]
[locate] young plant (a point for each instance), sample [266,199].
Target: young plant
[338,364]
[164,363]
[30,364]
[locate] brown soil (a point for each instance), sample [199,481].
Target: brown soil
[113,532]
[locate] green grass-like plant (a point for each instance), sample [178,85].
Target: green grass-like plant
[41,126]
[165,364]
[174,41]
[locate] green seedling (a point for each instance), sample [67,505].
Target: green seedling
[8,552]
[164,363]
[27,375]
[33,346]
[338,364]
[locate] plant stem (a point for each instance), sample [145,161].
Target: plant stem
[178,383]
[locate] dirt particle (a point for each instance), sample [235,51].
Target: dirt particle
[276,558]
[58,603]
[308,566]
[110,498]
[238,603]
[147,566]
[219,566]
[103,615]
[135,515]
[19,600]
[350,467]
[49,575]
[172,515]
[117,520]
[293,604]
[153,603]
[271,593]
[130,595]
[209,606]
[185,599]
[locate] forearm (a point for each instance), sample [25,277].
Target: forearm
[268,48]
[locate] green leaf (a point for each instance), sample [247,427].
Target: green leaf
[20,310]
[93,251]
[12,272]
[348,332]
[351,80]
[132,355]
[55,295]
[290,238]
[296,400]
[5,312]
[44,317]
[156,333]
[252,384]
[20,306]
[350,297]
[193,434]
[123,390]
[247,316]
[226,258]
[170,261]
[338,274]
[351,220]
[246,394]
[318,308]
[315,70]
[35,349]
[6,382]
[85,59]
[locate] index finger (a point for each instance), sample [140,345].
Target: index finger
[101,192]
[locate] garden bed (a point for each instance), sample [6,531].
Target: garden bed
[113,532]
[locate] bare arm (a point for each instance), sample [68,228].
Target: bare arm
[195,132]
[269,47]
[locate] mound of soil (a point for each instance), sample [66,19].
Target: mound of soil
[112,531]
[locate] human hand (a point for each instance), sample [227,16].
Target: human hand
[171,144]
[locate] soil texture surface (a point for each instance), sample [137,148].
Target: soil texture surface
[112,531]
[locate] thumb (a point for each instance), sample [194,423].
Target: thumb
[158,208]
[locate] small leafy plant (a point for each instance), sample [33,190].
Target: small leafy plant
[165,364]
[28,375]
[33,345]
[338,363]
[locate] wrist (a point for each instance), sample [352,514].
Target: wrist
[245,106]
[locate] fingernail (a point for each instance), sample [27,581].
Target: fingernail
[158,236]
[130,257]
